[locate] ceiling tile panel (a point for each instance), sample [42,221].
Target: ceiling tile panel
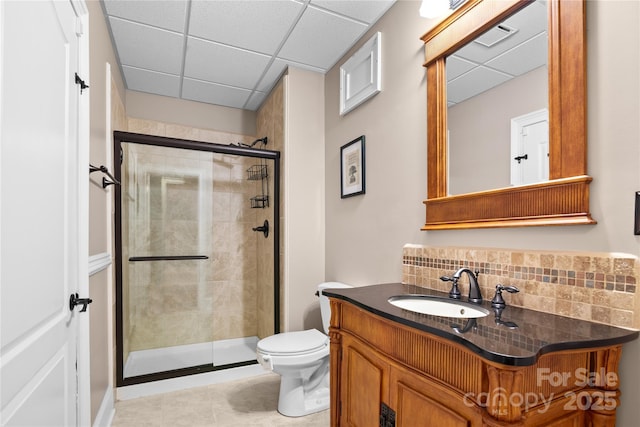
[528,22]
[222,64]
[458,66]
[260,26]
[271,76]
[473,83]
[169,15]
[256,100]
[320,38]
[152,82]
[211,93]
[527,56]
[236,50]
[147,47]
[363,10]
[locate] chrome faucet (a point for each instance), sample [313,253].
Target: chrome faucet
[474,289]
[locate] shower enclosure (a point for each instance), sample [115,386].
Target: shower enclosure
[196,255]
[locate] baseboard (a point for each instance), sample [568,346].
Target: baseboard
[107,410]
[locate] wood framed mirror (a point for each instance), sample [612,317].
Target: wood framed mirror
[563,199]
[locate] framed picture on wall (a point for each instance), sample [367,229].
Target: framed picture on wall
[352,168]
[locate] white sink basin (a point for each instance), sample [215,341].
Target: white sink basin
[437,306]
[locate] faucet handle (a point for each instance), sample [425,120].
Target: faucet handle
[497,300]
[455,291]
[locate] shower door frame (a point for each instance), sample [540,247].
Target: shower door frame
[120,137]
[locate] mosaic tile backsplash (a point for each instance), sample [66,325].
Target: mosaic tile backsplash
[599,287]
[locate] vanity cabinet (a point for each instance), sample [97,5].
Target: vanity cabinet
[388,373]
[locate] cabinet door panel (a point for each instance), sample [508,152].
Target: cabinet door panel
[416,409]
[363,384]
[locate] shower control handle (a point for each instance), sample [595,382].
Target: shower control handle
[264,228]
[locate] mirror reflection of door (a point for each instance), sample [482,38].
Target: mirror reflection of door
[530,148]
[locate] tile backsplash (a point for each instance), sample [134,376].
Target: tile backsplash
[599,287]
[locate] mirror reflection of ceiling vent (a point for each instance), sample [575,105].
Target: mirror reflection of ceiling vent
[495,35]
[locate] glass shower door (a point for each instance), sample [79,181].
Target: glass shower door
[195,282]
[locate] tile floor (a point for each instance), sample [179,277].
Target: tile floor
[246,402]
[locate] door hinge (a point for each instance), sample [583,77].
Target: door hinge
[387,416]
[82,84]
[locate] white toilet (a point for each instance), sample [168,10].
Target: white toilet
[302,360]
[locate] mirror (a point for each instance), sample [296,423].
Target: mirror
[563,199]
[495,84]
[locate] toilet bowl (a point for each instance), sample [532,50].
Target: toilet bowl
[301,359]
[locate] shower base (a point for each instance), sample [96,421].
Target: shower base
[218,353]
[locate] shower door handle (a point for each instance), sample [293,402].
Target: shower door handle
[74,301]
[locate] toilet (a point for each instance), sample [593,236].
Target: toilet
[302,360]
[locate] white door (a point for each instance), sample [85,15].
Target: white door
[530,148]
[41,250]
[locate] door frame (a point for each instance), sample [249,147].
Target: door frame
[83,371]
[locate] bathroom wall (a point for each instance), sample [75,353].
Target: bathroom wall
[366,234]
[106,96]
[270,123]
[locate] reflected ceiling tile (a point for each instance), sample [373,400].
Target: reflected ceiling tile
[214,94]
[473,83]
[151,81]
[307,44]
[527,56]
[222,64]
[257,25]
[169,15]
[147,47]
[457,66]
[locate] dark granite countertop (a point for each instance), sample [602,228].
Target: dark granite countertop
[532,333]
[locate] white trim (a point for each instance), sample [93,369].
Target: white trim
[107,410]
[99,262]
[360,75]
[83,371]
[190,381]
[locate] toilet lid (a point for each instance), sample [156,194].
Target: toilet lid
[294,342]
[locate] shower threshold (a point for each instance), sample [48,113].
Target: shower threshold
[215,353]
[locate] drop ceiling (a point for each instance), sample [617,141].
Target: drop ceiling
[231,53]
[491,60]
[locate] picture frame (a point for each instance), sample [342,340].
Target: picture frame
[352,168]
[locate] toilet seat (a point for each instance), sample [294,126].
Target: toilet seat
[293,343]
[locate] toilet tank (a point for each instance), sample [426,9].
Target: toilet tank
[325,309]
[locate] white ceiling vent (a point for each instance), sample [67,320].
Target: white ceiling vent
[495,35]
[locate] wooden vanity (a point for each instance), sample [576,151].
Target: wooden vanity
[391,366]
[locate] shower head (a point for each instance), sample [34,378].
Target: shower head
[242,144]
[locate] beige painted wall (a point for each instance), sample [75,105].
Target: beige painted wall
[190,113]
[100,287]
[365,234]
[304,197]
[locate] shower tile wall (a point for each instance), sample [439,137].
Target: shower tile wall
[183,302]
